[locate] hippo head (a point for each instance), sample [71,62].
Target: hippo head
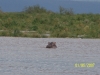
[51,45]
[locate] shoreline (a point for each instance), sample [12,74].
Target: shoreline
[45,38]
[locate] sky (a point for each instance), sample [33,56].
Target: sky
[78,6]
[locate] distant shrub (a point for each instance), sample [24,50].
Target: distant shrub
[1,10]
[63,10]
[34,9]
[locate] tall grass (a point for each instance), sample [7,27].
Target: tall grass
[38,19]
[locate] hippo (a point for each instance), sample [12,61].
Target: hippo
[51,45]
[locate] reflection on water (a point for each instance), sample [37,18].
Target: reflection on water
[28,56]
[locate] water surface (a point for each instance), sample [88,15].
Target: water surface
[28,56]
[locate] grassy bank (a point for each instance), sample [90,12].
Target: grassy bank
[43,23]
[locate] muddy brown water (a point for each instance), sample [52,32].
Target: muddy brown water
[28,56]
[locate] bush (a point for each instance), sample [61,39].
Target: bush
[63,10]
[34,9]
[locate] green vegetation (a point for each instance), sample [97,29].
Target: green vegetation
[36,21]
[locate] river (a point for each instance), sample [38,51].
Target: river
[28,56]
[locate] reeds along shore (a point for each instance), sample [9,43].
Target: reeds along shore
[36,21]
